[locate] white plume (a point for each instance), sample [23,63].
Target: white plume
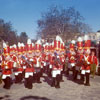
[79,39]
[29,41]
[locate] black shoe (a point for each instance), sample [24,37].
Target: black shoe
[39,82]
[52,85]
[87,84]
[16,81]
[81,82]
[6,87]
[30,87]
[26,86]
[62,81]
[57,87]
[67,73]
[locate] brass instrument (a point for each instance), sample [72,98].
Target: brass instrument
[29,63]
[85,63]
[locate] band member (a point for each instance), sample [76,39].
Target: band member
[15,68]
[1,58]
[6,67]
[79,57]
[57,65]
[37,66]
[43,63]
[18,70]
[56,72]
[47,57]
[29,73]
[51,58]
[62,59]
[63,55]
[50,65]
[71,58]
[87,62]
[37,62]
[29,70]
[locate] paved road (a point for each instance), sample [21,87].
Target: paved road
[69,91]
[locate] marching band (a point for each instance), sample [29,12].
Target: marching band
[29,62]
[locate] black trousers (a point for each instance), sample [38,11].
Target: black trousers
[7,83]
[36,77]
[28,82]
[87,78]
[73,70]
[75,74]
[61,76]
[41,72]
[18,78]
[56,81]
[82,78]
[49,73]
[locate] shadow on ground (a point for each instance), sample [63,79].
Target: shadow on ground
[6,97]
[70,78]
[48,80]
[34,98]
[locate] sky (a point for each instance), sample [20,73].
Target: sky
[23,14]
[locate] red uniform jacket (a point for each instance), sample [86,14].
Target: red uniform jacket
[71,58]
[62,59]
[51,60]
[59,67]
[36,60]
[88,60]
[21,65]
[6,67]
[30,68]
[80,57]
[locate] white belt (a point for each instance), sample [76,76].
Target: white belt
[72,64]
[24,67]
[5,76]
[85,71]
[50,66]
[27,74]
[16,73]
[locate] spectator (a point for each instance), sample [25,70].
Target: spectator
[93,63]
